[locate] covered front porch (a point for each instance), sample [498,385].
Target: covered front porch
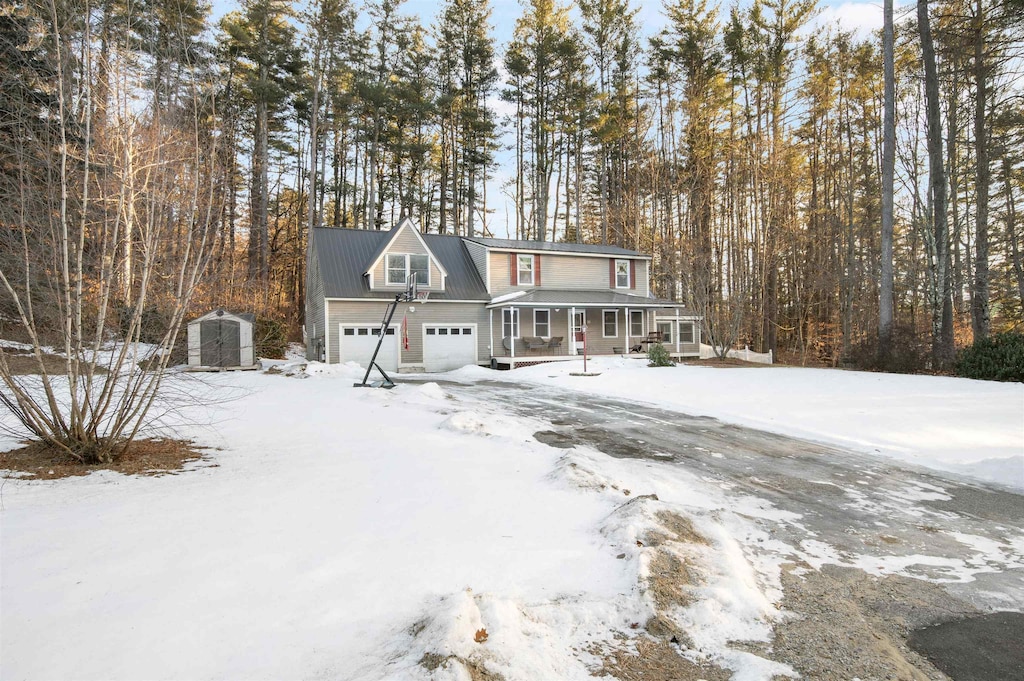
[538,326]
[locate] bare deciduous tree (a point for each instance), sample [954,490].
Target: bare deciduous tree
[104,230]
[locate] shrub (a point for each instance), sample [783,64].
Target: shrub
[271,338]
[658,356]
[153,323]
[910,352]
[997,358]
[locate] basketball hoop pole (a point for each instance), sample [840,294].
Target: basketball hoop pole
[409,294]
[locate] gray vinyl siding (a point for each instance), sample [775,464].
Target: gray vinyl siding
[565,272]
[643,278]
[372,312]
[405,242]
[314,306]
[479,256]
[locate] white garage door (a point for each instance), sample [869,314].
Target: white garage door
[447,347]
[358,342]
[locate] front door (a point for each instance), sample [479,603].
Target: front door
[579,320]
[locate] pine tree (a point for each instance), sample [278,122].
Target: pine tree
[264,38]
[468,78]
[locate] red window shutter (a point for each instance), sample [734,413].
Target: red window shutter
[611,273]
[536,270]
[632,273]
[513,269]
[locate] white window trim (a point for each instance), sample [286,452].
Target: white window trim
[693,332]
[515,322]
[672,324]
[387,256]
[628,266]
[616,334]
[533,269]
[630,323]
[535,311]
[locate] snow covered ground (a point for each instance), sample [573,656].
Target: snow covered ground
[956,425]
[347,533]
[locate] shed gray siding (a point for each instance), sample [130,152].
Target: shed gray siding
[372,313]
[245,349]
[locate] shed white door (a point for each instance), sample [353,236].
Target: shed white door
[359,341]
[447,347]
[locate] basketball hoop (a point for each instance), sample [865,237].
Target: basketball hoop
[422,296]
[411,288]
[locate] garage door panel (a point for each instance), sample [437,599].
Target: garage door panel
[359,341]
[448,346]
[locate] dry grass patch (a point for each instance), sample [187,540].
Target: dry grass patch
[657,660]
[727,363]
[40,461]
[24,363]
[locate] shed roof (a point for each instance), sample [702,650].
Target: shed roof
[344,254]
[245,316]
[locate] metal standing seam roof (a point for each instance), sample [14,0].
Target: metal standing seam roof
[584,298]
[344,254]
[557,247]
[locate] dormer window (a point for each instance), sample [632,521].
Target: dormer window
[401,265]
[621,274]
[525,269]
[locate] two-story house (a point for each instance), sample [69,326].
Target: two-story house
[496,302]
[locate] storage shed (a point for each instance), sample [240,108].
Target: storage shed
[221,340]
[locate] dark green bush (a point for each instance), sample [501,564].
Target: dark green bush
[658,356]
[997,358]
[271,338]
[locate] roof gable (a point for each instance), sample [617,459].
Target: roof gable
[396,231]
[342,255]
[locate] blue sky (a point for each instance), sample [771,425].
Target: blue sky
[852,15]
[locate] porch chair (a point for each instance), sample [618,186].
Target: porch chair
[652,337]
[555,343]
[534,342]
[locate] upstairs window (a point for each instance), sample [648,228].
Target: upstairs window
[621,274]
[524,267]
[401,265]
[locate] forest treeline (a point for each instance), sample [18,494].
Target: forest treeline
[740,148]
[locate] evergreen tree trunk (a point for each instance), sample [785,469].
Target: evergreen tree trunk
[980,316]
[942,300]
[885,303]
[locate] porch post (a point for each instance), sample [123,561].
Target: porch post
[490,339]
[626,333]
[677,330]
[512,330]
[572,330]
